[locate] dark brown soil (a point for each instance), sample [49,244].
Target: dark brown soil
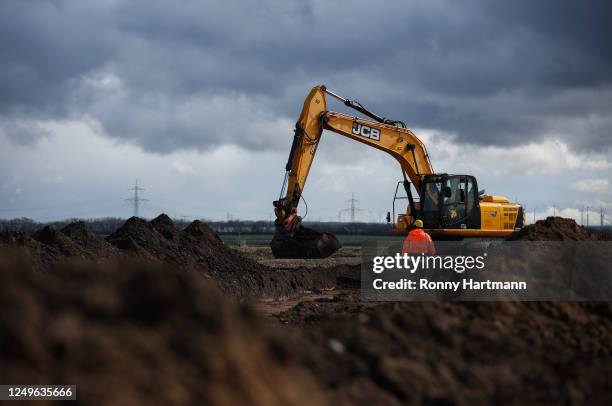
[457,353]
[159,241]
[143,335]
[94,246]
[557,229]
[48,246]
[151,327]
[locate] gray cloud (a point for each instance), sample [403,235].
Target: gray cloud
[170,76]
[22,133]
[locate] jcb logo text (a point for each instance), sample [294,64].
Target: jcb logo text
[365,131]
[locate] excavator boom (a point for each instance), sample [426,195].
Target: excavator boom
[386,135]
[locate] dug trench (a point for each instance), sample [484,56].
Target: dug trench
[175,316]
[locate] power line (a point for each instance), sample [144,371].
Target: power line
[352,208]
[587,216]
[136,200]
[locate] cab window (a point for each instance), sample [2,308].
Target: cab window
[432,196]
[453,211]
[457,191]
[470,193]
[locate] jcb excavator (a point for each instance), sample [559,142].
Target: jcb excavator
[450,206]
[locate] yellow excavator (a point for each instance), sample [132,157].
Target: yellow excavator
[450,206]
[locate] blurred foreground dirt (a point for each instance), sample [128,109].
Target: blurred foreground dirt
[157,315]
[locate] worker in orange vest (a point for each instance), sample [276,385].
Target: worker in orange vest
[418,241]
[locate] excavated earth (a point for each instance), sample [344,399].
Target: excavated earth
[558,229]
[197,247]
[175,316]
[142,335]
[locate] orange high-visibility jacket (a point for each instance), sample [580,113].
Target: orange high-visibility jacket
[418,242]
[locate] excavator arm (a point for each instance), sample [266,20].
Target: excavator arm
[387,135]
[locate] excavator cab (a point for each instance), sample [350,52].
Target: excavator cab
[450,202]
[446,202]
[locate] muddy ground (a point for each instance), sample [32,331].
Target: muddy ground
[175,316]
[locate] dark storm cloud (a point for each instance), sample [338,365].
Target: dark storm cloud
[170,75]
[45,47]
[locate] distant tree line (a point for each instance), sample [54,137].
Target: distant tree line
[233,227]
[108,225]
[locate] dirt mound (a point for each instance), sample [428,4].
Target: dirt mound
[203,231]
[556,229]
[197,245]
[143,336]
[41,256]
[91,243]
[165,226]
[58,240]
[160,241]
[141,238]
[48,246]
[457,353]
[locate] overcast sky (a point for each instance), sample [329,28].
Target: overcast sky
[197,100]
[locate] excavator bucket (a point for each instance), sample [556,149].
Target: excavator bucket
[304,243]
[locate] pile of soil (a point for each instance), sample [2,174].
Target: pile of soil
[556,229]
[58,240]
[41,256]
[143,335]
[48,246]
[152,327]
[199,247]
[456,353]
[159,241]
[88,241]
